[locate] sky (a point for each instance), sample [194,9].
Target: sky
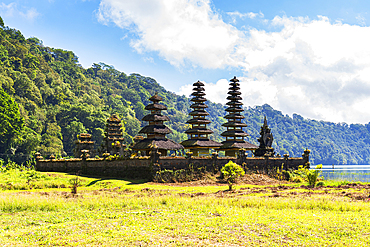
[311,58]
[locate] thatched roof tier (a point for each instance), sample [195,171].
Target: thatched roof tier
[198,121]
[234,124]
[156,98]
[155,117]
[155,129]
[116,139]
[155,106]
[114,118]
[199,143]
[199,106]
[234,109]
[198,113]
[234,132]
[148,144]
[234,88]
[200,131]
[234,93]
[198,89]
[234,98]
[198,99]
[234,103]
[198,94]
[234,116]
[237,145]
[198,83]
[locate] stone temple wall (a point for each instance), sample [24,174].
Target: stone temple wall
[145,167]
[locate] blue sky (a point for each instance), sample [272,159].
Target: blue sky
[305,57]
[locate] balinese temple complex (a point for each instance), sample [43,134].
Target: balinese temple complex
[198,142]
[156,131]
[234,133]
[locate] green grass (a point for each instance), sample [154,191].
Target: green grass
[114,212]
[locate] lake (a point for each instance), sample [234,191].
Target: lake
[353,173]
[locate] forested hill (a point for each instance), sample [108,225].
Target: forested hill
[47,98]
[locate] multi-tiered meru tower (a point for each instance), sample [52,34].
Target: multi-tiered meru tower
[156,131]
[113,135]
[234,133]
[198,142]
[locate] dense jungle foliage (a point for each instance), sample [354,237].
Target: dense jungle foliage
[47,98]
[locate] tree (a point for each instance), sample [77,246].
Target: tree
[11,121]
[231,172]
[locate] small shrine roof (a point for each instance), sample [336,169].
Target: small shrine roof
[198,83]
[156,98]
[114,118]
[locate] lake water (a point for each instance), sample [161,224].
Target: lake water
[353,173]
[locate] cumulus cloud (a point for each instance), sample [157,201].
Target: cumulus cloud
[251,15]
[317,68]
[12,9]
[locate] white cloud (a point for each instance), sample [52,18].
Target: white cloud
[317,68]
[12,9]
[251,15]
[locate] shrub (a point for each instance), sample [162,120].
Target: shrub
[231,172]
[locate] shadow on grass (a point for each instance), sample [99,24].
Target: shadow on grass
[99,179]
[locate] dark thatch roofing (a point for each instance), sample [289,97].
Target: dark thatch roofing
[198,113]
[237,132]
[197,93]
[234,116]
[156,98]
[198,89]
[234,98]
[114,118]
[201,105]
[198,99]
[198,83]
[234,93]
[198,121]
[234,124]
[234,103]
[234,79]
[155,117]
[201,143]
[234,109]
[164,143]
[237,145]
[233,88]
[155,107]
[159,129]
[199,131]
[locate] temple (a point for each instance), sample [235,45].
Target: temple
[198,142]
[83,142]
[113,135]
[234,133]
[265,141]
[156,131]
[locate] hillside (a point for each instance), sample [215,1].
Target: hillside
[50,98]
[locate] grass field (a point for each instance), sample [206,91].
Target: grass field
[106,212]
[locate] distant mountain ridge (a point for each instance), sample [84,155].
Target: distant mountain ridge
[59,99]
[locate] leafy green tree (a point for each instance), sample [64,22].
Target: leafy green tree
[231,172]
[11,121]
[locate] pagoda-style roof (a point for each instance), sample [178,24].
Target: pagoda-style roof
[200,143]
[198,131]
[198,121]
[155,129]
[155,106]
[237,145]
[234,98]
[234,124]
[114,118]
[198,113]
[234,109]
[198,83]
[234,132]
[199,105]
[155,117]
[160,143]
[234,103]
[234,116]
[156,98]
